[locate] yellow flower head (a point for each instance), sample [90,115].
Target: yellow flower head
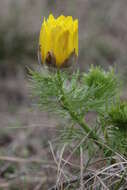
[58,39]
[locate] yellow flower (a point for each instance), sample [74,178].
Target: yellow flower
[58,39]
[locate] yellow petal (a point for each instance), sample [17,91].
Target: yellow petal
[59,36]
[61,50]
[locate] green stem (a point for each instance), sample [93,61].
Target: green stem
[65,104]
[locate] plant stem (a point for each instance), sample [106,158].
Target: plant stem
[65,104]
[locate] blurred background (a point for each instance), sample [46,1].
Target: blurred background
[102,41]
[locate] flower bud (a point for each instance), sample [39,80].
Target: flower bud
[58,41]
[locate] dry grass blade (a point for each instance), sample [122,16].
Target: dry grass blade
[76,147]
[102,183]
[65,183]
[39,186]
[58,164]
[114,172]
[22,160]
[70,182]
[81,168]
[59,170]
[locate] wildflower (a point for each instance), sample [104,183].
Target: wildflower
[58,40]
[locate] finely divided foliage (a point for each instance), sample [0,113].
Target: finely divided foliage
[73,97]
[87,92]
